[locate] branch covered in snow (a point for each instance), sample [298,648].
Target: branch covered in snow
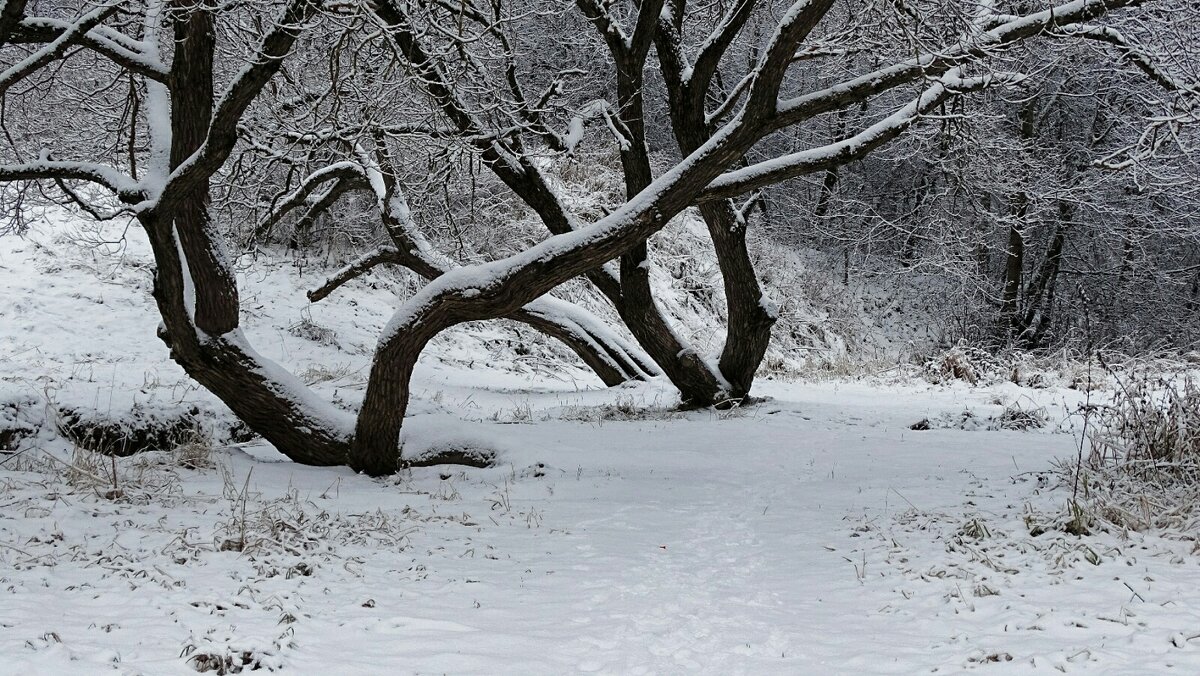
[1130,52]
[307,193]
[113,44]
[770,172]
[48,169]
[1011,31]
[223,130]
[54,50]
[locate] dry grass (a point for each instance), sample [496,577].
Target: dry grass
[1141,469]
[624,409]
[309,330]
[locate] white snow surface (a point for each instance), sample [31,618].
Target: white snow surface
[812,533]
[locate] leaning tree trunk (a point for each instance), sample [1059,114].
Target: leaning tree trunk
[750,316]
[196,291]
[631,294]
[698,383]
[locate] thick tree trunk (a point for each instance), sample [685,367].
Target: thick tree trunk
[1014,266]
[196,292]
[750,316]
[217,307]
[374,449]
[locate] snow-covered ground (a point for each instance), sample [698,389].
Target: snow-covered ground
[814,532]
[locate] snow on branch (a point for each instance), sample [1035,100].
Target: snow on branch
[306,192]
[53,50]
[599,108]
[1010,30]
[47,169]
[223,130]
[119,48]
[781,168]
[1163,129]
[794,27]
[1133,54]
[611,30]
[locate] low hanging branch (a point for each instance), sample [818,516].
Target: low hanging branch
[454,72]
[384,255]
[614,360]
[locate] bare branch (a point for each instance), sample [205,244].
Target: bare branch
[359,267]
[47,169]
[853,148]
[54,50]
[1015,29]
[114,45]
[223,130]
[1132,54]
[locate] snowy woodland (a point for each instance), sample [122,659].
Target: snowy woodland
[599,336]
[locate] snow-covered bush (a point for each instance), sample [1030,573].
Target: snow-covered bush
[1152,419]
[1143,467]
[139,430]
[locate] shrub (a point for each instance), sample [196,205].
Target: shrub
[1151,418]
[123,435]
[1143,468]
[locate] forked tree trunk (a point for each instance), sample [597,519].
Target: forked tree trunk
[1014,261]
[198,299]
[750,316]
[1039,293]
[631,294]
[698,383]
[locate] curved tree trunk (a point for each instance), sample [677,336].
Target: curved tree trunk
[198,300]
[750,316]
[612,359]
[630,294]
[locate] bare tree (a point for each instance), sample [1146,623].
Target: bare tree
[189,127]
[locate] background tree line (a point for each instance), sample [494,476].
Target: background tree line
[1018,151]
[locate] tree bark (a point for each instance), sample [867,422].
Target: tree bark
[630,294]
[217,307]
[196,292]
[1014,266]
[750,316]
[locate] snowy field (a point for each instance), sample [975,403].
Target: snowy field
[812,533]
